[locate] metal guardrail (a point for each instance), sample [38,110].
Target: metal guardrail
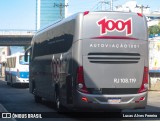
[16,37]
[17,32]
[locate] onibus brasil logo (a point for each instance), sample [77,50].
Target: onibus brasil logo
[110,25]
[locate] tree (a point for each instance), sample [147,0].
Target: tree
[159,23]
[154,29]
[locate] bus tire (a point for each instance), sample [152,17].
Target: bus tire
[37,99]
[12,85]
[7,83]
[5,77]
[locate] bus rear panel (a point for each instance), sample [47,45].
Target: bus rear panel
[113,72]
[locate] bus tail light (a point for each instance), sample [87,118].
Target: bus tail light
[18,74]
[140,99]
[84,99]
[144,85]
[80,80]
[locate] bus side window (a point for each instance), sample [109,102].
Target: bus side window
[27,56]
[30,54]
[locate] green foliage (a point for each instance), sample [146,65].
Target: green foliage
[154,29]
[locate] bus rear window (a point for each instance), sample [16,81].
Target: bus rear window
[22,61]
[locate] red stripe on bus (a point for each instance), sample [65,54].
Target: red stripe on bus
[115,37]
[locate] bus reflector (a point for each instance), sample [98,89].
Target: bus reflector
[144,85]
[80,80]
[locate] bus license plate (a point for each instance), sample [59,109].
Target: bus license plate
[114,100]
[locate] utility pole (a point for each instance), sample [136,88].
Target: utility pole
[102,4]
[60,6]
[111,5]
[142,7]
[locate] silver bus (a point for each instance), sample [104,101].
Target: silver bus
[93,60]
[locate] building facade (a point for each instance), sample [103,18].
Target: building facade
[48,11]
[132,6]
[6,51]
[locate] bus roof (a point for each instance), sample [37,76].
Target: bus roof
[15,54]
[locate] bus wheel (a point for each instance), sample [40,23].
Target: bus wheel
[5,78]
[37,99]
[7,83]
[12,84]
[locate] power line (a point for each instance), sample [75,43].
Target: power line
[142,7]
[102,5]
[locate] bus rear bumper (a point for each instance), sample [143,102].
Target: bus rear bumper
[132,101]
[22,80]
[19,82]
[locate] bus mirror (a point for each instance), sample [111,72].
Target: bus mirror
[26,57]
[27,52]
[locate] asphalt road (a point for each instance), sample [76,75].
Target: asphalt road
[20,100]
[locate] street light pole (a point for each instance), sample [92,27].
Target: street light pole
[111,6]
[60,6]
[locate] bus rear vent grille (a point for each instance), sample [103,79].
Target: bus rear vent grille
[114,58]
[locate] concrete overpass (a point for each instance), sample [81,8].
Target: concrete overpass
[16,37]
